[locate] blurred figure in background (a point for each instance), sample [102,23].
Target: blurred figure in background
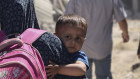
[98,45]
[139,50]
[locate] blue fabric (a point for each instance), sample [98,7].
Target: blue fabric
[17,15]
[51,48]
[81,56]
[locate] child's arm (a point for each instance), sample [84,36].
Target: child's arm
[75,69]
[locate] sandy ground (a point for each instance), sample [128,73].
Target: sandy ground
[124,54]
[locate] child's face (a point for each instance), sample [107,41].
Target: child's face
[72,37]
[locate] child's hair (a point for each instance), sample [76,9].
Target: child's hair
[73,20]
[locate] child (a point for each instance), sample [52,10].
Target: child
[71,29]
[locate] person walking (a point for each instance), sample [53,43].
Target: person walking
[99,15]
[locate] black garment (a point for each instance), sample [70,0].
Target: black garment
[17,15]
[51,48]
[69,77]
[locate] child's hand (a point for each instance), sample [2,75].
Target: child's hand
[52,70]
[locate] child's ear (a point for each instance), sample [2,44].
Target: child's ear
[85,39]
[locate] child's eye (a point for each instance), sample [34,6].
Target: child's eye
[78,39]
[67,37]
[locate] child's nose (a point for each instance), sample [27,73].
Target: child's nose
[73,42]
